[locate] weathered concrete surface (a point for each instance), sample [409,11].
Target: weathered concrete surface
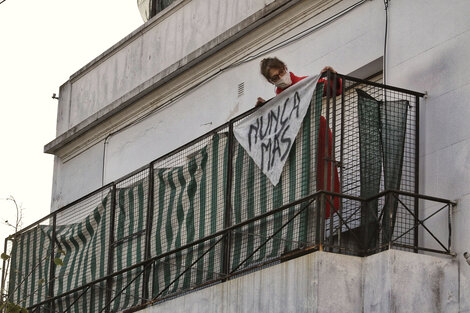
[168,38]
[396,281]
[433,57]
[462,230]
[391,281]
[318,282]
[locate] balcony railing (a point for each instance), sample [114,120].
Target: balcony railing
[205,213]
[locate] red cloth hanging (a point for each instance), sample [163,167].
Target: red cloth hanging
[325,153]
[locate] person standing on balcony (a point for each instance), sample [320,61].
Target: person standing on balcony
[275,71]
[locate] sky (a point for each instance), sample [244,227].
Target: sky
[42,43]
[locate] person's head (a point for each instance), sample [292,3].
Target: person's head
[275,71]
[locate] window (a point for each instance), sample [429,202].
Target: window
[150,8]
[157,6]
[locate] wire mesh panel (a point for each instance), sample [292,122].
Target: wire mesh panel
[375,144]
[188,268]
[189,204]
[128,246]
[269,238]
[404,221]
[88,299]
[126,290]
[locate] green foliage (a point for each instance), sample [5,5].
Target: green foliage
[5,256]
[10,307]
[58,261]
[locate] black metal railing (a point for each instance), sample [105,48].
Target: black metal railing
[205,213]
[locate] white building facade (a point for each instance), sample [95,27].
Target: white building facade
[195,66]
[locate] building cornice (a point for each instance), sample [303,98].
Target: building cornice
[249,35]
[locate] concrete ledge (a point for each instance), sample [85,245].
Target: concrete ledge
[318,282]
[391,281]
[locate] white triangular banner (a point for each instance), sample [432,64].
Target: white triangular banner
[268,134]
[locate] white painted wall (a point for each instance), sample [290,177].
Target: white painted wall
[77,177]
[173,34]
[429,49]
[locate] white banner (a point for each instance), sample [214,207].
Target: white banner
[269,133]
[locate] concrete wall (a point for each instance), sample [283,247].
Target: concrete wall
[78,176]
[391,281]
[429,48]
[396,281]
[164,40]
[318,282]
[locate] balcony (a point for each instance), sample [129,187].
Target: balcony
[205,213]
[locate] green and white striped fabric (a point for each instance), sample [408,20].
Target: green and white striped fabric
[80,246]
[131,216]
[30,257]
[85,246]
[189,203]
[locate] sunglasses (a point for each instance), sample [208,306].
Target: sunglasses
[276,77]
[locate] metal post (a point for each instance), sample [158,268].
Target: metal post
[4,273]
[322,221]
[317,223]
[390,219]
[326,150]
[449,221]
[52,263]
[416,202]
[228,203]
[365,231]
[332,171]
[109,282]
[387,205]
[148,232]
[341,160]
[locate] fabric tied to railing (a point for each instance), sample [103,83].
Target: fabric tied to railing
[268,134]
[382,130]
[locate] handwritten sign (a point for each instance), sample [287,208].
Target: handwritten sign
[269,133]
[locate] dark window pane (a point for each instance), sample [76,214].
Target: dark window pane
[164,4]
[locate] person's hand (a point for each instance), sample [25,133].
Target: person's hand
[328,68]
[260,102]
